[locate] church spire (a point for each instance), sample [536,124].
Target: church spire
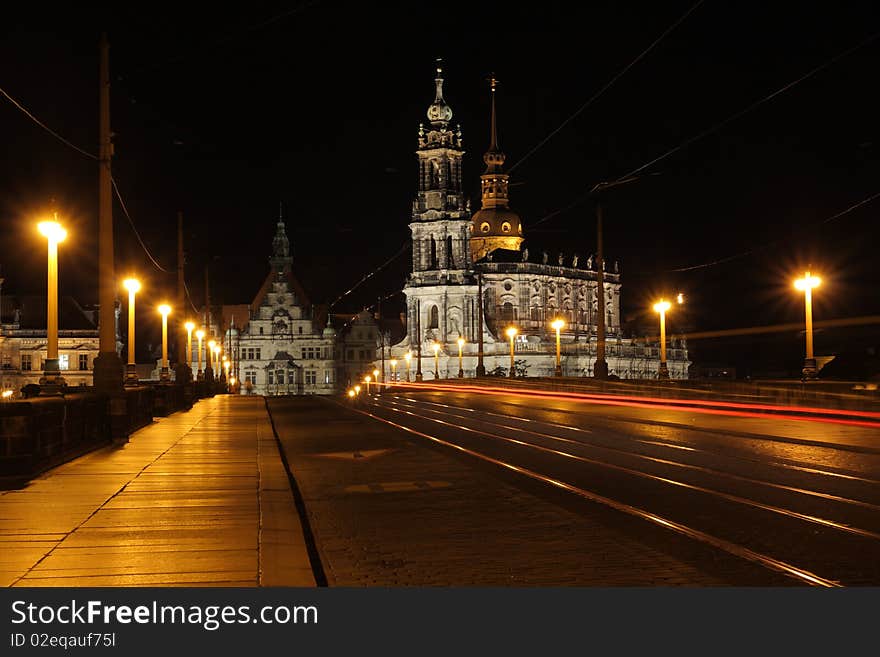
[281,260]
[494,157]
[439,113]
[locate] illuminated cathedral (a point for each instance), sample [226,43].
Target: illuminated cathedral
[458,255]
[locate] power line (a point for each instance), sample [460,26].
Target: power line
[188,296]
[721,124]
[774,242]
[370,274]
[134,228]
[45,127]
[607,85]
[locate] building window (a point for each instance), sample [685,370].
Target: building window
[257,353]
[300,329]
[261,330]
[505,227]
[280,376]
[83,361]
[328,376]
[433,318]
[484,227]
[63,362]
[311,377]
[450,261]
[250,377]
[349,354]
[270,377]
[507,312]
[26,362]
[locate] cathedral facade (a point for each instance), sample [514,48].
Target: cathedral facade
[468,267]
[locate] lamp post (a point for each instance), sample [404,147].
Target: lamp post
[661,307]
[209,357]
[216,364]
[51,379]
[806,284]
[376,379]
[367,381]
[511,333]
[200,335]
[407,357]
[189,326]
[226,365]
[133,286]
[436,348]
[460,368]
[558,324]
[164,310]
[393,363]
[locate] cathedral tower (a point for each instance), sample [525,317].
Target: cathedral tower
[495,225]
[440,291]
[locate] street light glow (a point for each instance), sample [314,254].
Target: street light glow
[680,298]
[511,332]
[557,324]
[132,284]
[808,282]
[376,374]
[460,342]
[189,326]
[351,393]
[200,334]
[436,348]
[52,231]
[662,306]
[165,310]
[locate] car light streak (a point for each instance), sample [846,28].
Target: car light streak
[695,534]
[732,409]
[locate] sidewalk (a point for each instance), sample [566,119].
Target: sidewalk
[200,498]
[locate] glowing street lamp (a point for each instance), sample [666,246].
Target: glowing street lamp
[367,381]
[133,286]
[189,326]
[436,348]
[558,324]
[393,363]
[806,284]
[511,333]
[407,357]
[351,393]
[661,307]
[226,365]
[54,234]
[460,342]
[217,349]
[376,379]
[357,390]
[165,310]
[200,335]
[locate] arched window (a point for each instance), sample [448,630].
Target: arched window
[450,261]
[433,318]
[507,312]
[433,253]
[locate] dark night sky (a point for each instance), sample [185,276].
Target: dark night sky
[222,113]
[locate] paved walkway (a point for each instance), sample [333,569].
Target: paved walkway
[200,498]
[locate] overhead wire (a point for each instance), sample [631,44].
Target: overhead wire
[134,228]
[607,86]
[406,245]
[45,127]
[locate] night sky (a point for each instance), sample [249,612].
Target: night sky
[225,113]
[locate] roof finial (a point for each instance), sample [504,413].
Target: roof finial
[280,212]
[493,157]
[439,113]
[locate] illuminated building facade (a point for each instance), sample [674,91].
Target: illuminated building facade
[454,252]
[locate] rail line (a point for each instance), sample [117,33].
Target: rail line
[740,551]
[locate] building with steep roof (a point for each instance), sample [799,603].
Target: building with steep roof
[472,278]
[284,348]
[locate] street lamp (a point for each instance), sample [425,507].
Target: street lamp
[51,379]
[209,356]
[165,310]
[133,286]
[226,365]
[511,333]
[200,335]
[376,379]
[407,357]
[460,345]
[661,307]
[436,348]
[393,363]
[217,350]
[558,324]
[367,381]
[806,284]
[189,326]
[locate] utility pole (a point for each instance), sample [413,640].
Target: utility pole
[600,367]
[182,371]
[481,368]
[418,340]
[381,343]
[209,372]
[108,365]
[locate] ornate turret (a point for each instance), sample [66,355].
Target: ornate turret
[280,260]
[439,113]
[495,225]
